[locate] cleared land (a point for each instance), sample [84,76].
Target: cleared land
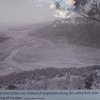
[58,45]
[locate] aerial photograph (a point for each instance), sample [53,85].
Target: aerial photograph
[49,44]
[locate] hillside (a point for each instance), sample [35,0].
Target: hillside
[62,44]
[60,54]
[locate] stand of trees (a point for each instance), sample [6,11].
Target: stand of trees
[88,8]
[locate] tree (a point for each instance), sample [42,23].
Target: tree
[88,8]
[58,6]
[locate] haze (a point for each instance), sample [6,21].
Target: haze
[21,12]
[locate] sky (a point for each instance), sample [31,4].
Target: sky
[24,12]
